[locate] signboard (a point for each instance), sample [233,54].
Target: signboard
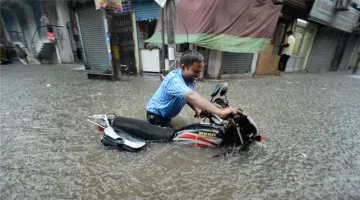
[323,11]
[115,49]
[108,4]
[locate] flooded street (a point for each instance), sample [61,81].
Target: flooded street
[311,124]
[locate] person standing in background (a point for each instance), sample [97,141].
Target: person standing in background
[287,51]
[46,21]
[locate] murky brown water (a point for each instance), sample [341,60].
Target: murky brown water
[48,151]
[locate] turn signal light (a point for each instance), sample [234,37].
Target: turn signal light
[259,138]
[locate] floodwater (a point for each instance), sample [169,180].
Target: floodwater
[49,151]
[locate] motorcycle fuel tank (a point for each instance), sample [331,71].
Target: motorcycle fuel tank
[200,135]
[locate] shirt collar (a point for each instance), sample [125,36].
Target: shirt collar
[178,72]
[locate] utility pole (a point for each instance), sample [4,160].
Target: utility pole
[162,67]
[170,7]
[114,42]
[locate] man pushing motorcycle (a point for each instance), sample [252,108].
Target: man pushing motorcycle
[177,89]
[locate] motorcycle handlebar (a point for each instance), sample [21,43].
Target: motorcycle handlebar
[206,114]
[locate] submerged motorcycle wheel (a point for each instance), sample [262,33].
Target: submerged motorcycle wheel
[237,150]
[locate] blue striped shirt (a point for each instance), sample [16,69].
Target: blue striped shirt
[169,99]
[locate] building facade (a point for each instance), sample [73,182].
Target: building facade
[28,35]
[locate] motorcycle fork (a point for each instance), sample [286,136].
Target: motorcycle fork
[239,133]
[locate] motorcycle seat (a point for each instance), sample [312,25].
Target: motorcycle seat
[143,129]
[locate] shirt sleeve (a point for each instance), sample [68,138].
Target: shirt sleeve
[176,88]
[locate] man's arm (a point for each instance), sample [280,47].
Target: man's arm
[195,109]
[287,43]
[200,102]
[176,88]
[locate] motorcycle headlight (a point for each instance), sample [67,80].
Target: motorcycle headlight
[252,122]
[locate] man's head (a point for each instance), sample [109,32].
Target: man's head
[46,13]
[192,64]
[289,33]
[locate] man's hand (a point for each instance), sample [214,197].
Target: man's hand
[224,113]
[195,109]
[197,112]
[285,45]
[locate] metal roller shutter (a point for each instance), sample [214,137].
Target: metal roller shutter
[146,10]
[323,50]
[93,34]
[236,63]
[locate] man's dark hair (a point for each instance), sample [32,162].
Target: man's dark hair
[191,56]
[290,33]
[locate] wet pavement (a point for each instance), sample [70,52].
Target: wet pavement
[49,151]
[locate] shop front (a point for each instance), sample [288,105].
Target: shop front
[293,11]
[236,63]
[334,35]
[146,16]
[304,34]
[92,31]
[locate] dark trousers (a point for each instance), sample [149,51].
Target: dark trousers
[158,120]
[50,29]
[282,63]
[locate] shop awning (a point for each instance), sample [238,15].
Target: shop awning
[235,26]
[146,10]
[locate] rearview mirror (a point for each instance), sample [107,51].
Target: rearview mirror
[224,89]
[221,87]
[216,90]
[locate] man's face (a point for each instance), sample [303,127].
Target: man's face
[191,73]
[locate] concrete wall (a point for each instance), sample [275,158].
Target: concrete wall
[36,7]
[32,25]
[20,18]
[26,24]
[15,21]
[214,66]
[64,45]
[23,21]
[4,32]
[30,14]
[7,17]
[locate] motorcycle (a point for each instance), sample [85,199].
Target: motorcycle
[237,131]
